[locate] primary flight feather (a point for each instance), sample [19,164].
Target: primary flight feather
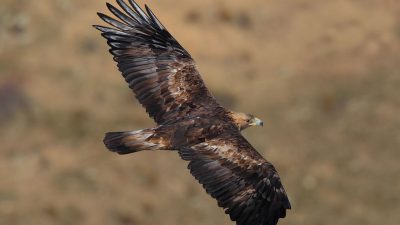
[165,80]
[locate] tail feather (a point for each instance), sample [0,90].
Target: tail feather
[132,141]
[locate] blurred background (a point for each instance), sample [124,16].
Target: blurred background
[323,75]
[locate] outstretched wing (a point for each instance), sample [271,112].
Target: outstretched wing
[239,178]
[158,69]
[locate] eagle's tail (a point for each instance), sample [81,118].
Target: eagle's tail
[133,141]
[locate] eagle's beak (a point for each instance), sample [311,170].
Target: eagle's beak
[256,122]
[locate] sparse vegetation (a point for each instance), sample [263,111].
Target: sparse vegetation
[324,77]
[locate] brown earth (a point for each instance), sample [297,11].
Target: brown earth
[324,76]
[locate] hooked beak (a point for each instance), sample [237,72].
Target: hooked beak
[256,122]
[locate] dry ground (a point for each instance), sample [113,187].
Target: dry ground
[324,76]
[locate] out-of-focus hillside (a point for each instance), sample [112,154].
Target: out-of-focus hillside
[323,75]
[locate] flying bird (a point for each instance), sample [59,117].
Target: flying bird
[165,80]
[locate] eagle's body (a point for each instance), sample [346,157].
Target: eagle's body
[166,82]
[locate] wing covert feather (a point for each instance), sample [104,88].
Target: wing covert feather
[246,185]
[157,68]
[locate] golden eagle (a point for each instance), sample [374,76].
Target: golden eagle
[165,80]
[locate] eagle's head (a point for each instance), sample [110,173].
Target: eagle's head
[244,120]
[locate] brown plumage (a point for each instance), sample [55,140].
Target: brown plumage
[165,80]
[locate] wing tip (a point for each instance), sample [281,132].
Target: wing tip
[108,5]
[101,15]
[97,27]
[133,15]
